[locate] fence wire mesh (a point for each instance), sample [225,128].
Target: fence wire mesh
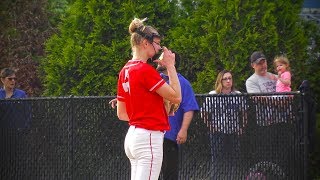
[246,136]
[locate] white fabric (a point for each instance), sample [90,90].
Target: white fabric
[260,84]
[144,148]
[225,112]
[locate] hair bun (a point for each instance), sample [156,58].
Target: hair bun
[137,24]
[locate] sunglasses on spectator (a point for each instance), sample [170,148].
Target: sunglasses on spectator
[11,79]
[228,78]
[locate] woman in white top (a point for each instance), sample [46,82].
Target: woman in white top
[223,109]
[224,115]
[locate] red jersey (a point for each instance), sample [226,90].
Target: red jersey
[137,84]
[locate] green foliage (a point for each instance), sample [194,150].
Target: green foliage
[24,28]
[93,44]
[57,9]
[311,66]
[218,35]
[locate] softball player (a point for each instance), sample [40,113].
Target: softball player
[140,96]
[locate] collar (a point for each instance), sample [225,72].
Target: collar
[3,93]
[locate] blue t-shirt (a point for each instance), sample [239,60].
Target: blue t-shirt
[17,93]
[14,113]
[188,103]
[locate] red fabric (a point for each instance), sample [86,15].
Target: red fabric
[137,84]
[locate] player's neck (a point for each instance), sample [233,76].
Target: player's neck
[140,56]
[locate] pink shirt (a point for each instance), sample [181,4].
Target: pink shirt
[281,87]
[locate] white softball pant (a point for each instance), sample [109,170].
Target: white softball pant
[144,148]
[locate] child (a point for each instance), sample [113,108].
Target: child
[282,66]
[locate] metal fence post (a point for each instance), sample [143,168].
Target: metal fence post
[305,133]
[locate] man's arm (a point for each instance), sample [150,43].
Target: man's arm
[183,133]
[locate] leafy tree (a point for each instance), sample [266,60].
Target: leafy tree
[215,35]
[24,27]
[93,44]
[312,63]
[23,32]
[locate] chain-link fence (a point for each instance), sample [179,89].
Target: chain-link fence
[247,136]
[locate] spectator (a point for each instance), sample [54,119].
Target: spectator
[261,81]
[13,114]
[179,124]
[9,80]
[225,117]
[282,66]
[140,95]
[269,110]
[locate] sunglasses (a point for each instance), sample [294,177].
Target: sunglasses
[11,79]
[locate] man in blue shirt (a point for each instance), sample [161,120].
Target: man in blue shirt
[179,124]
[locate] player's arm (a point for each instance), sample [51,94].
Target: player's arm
[122,111]
[172,91]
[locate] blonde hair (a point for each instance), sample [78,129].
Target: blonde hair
[218,86]
[139,32]
[283,60]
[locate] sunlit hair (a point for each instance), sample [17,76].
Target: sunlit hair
[139,32]
[283,60]
[218,86]
[6,72]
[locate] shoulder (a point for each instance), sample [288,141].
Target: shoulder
[2,93]
[145,71]
[137,64]
[212,92]
[19,90]
[236,92]
[287,73]
[146,65]
[251,78]
[20,93]
[183,80]
[271,74]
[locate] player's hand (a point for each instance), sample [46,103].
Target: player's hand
[167,59]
